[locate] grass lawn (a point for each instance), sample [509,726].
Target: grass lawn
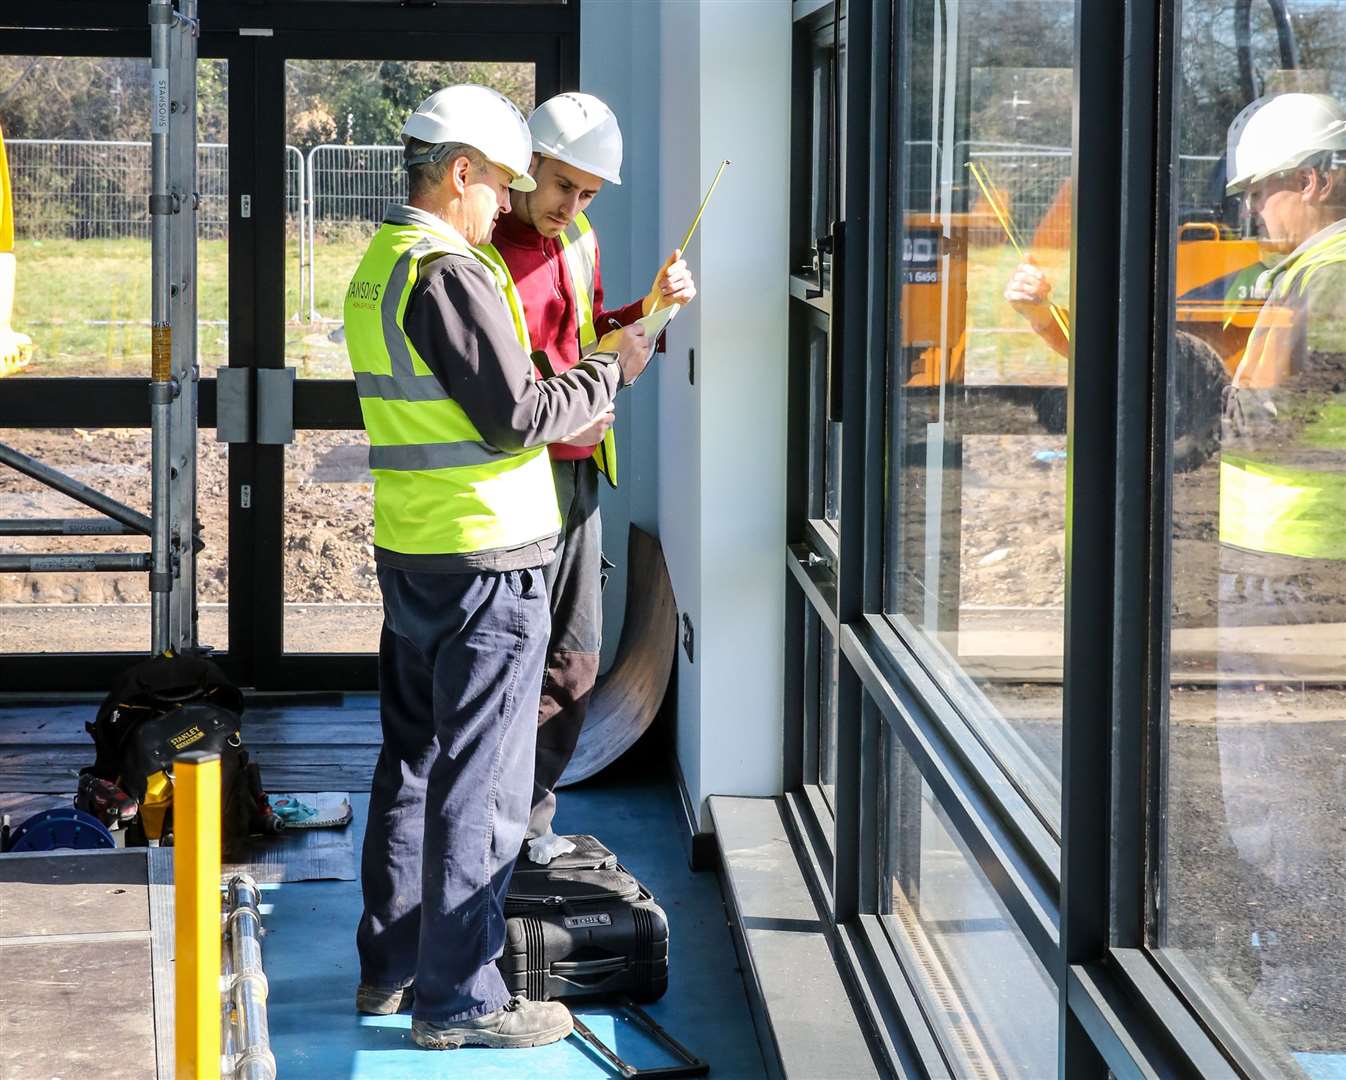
[86,305]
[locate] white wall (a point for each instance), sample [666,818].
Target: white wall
[693,82]
[722,441]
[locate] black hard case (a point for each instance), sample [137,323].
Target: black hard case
[583,927]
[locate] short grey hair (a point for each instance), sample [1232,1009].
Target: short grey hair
[426,175]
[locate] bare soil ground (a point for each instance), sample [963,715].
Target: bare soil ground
[328,542]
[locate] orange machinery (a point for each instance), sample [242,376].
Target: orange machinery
[1215,272]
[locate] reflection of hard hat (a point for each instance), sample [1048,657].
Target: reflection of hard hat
[475,116]
[581,131]
[1279,133]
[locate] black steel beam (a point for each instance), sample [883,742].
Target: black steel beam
[380,17]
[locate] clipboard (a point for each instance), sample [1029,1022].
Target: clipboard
[657,321]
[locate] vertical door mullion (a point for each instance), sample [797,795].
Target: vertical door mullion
[851,310]
[268,285]
[242,349]
[1108,482]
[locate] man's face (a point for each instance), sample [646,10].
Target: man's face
[485,198]
[1287,209]
[562,192]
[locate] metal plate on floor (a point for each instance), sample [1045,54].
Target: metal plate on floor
[68,893]
[81,1009]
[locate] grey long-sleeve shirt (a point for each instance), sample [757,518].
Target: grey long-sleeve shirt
[464,334]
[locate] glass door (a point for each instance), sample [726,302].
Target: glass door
[328,163]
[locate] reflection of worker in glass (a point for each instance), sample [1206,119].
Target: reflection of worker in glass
[1282,483]
[1282,532]
[1282,489]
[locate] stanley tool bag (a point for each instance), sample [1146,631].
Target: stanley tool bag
[160,708]
[583,927]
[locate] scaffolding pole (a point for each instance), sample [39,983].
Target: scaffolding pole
[247,1036]
[173,375]
[162,18]
[182,437]
[64,527]
[110,562]
[134,520]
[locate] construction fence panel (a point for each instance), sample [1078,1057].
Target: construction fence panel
[84,189]
[1036,183]
[74,189]
[349,188]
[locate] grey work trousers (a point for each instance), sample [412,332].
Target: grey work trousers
[575,596]
[460,667]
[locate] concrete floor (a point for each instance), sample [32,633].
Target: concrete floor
[312,968]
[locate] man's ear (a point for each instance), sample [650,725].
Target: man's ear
[535,165]
[1327,185]
[460,174]
[1315,185]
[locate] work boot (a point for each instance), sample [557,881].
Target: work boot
[382,1000]
[519,1022]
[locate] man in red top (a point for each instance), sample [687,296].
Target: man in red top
[551,254]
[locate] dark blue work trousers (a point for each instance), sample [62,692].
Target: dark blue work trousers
[460,670]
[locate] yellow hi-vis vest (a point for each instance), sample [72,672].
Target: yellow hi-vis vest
[1270,506]
[579,248]
[439,487]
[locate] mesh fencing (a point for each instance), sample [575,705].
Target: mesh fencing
[1035,183]
[80,190]
[85,190]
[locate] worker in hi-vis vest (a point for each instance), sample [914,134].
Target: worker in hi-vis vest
[1282,530]
[547,253]
[465,518]
[1283,457]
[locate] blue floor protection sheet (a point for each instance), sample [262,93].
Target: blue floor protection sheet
[312,969]
[1322,1066]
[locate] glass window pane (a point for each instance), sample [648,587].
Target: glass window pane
[101,611]
[993,1004]
[77,143]
[828,659]
[1250,876]
[974,553]
[343,163]
[343,124]
[332,600]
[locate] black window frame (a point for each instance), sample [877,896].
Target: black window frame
[1082,899]
[256,37]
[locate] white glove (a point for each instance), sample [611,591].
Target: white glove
[547,847]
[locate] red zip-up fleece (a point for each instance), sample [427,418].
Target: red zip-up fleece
[539,273]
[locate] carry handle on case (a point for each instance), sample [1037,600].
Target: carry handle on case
[688,1063]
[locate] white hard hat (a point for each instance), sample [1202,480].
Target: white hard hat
[1278,133]
[581,131]
[479,117]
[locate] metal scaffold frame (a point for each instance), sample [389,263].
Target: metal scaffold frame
[172,525]
[173,379]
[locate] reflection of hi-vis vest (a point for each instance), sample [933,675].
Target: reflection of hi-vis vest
[1277,508]
[579,247]
[439,487]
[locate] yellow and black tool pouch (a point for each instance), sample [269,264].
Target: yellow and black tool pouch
[159,709]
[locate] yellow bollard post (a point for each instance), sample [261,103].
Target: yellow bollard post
[196,914]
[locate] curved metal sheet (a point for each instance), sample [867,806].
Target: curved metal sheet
[628,697]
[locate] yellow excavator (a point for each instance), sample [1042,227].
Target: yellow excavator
[16,350]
